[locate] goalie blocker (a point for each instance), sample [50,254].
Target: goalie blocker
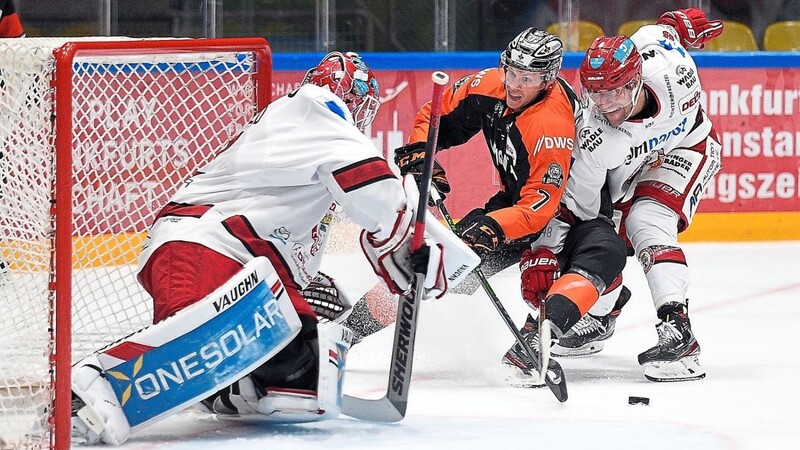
[219,341]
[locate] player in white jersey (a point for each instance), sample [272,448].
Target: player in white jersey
[261,210]
[647,136]
[273,194]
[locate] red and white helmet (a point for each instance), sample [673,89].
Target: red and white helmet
[347,76]
[611,73]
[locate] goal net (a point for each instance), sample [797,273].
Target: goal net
[96,135]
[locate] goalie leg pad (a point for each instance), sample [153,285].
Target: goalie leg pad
[183,359]
[96,412]
[292,405]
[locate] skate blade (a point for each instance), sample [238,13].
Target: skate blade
[521,378]
[684,369]
[584,350]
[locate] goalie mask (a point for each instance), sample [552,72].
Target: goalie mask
[611,77]
[347,76]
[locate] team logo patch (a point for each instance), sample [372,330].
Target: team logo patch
[646,258]
[554,175]
[624,51]
[594,63]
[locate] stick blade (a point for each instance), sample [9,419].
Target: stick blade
[378,410]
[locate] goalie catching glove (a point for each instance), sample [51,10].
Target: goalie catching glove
[392,260]
[692,26]
[410,158]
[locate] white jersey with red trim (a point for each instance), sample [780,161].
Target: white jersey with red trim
[273,192]
[617,155]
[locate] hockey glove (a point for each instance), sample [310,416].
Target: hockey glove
[467,221]
[397,266]
[410,158]
[391,257]
[539,269]
[692,26]
[483,235]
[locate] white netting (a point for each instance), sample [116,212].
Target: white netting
[142,123]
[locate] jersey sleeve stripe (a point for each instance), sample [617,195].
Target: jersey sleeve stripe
[241,228]
[182,210]
[362,173]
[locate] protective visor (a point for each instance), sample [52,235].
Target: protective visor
[522,79]
[615,99]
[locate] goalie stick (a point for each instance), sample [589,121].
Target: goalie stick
[554,376]
[392,406]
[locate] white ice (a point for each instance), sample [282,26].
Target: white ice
[744,307]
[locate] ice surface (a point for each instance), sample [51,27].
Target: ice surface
[745,305]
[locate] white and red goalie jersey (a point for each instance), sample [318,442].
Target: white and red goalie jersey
[620,154]
[274,191]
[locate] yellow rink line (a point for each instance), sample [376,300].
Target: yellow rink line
[88,251]
[123,248]
[755,226]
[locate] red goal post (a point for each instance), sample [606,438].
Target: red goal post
[97,134]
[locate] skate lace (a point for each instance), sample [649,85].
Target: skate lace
[587,325]
[667,333]
[532,338]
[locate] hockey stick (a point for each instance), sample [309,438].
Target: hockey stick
[392,406]
[554,376]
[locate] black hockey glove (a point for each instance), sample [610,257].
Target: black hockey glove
[483,235]
[469,219]
[410,159]
[420,258]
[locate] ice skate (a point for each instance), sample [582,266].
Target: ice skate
[588,335]
[674,358]
[523,374]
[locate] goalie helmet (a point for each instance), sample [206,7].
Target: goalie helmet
[347,76]
[534,50]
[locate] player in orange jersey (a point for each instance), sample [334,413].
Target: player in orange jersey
[10,25]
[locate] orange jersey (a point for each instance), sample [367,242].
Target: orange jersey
[10,26]
[531,149]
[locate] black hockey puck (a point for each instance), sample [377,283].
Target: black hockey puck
[639,401]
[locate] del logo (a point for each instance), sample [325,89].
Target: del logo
[690,101]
